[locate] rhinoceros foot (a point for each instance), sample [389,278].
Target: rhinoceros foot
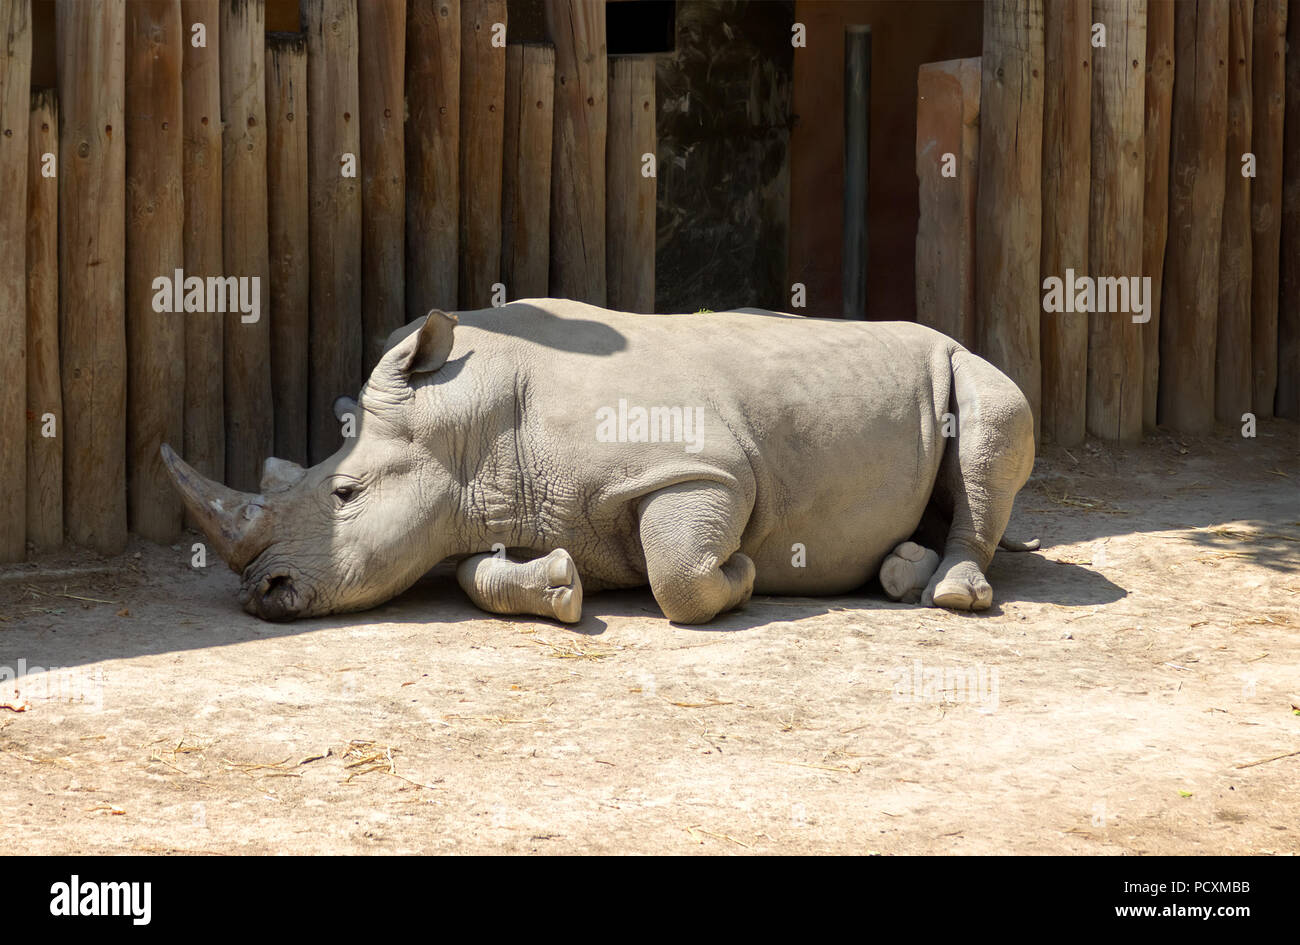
[959,587]
[906,572]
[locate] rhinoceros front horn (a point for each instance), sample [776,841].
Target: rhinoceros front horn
[234,522]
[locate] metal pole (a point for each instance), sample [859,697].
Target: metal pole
[857,128]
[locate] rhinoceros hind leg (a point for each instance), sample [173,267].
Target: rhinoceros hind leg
[690,533]
[545,587]
[906,572]
[980,475]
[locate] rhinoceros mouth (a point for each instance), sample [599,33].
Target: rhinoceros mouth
[275,595]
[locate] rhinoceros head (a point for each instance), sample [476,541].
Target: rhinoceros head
[356,529]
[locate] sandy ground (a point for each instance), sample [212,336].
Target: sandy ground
[1134,690]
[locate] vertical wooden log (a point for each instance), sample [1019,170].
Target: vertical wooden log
[482,139]
[44,399]
[92,266]
[1232,371]
[1288,316]
[381,64]
[856,238]
[288,238]
[15,117]
[432,155]
[155,253]
[526,180]
[334,143]
[1155,202]
[1067,98]
[1269,108]
[1115,222]
[249,418]
[630,193]
[1198,145]
[205,412]
[577,28]
[1009,201]
[947,122]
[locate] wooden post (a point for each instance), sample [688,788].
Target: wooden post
[947,122]
[1288,315]
[249,419]
[288,237]
[857,169]
[1115,222]
[1269,97]
[1232,372]
[15,117]
[1155,202]
[155,252]
[1198,145]
[381,65]
[92,264]
[44,399]
[1009,202]
[205,412]
[432,155]
[482,138]
[577,28]
[629,191]
[334,149]
[1067,97]
[526,181]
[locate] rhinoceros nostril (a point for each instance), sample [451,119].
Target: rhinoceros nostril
[277,598]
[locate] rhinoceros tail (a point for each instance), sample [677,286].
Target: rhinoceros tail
[1010,544]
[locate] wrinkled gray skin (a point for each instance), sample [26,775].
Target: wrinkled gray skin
[819,452]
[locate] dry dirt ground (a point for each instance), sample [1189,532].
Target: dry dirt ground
[1134,690]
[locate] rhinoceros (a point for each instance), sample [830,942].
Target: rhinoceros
[549,446]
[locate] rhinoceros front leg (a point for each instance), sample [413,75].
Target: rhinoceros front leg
[690,534]
[546,587]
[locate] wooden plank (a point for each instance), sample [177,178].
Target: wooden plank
[334,133]
[1067,168]
[44,398]
[1009,202]
[15,117]
[1155,203]
[1232,371]
[947,122]
[288,238]
[1288,315]
[629,193]
[381,65]
[205,412]
[482,140]
[1268,93]
[249,419]
[526,177]
[577,28]
[92,266]
[155,249]
[1115,222]
[432,155]
[1198,146]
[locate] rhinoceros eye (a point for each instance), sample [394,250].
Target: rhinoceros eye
[345,493]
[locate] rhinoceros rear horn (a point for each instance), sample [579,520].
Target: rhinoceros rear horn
[235,523]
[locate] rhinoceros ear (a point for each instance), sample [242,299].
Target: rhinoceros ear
[426,349]
[280,474]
